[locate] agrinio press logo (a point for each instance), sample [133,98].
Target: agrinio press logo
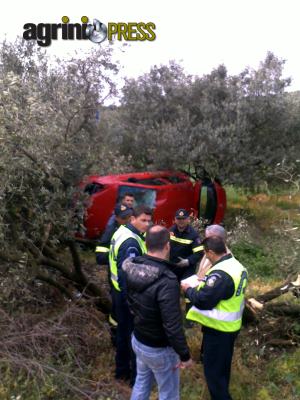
[97,32]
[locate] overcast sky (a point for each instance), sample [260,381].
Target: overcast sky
[201,34]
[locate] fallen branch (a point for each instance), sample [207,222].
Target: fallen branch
[258,302]
[256,305]
[57,285]
[283,309]
[278,291]
[280,342]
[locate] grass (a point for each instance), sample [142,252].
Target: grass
[260,262]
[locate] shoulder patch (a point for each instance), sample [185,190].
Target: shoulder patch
[211,280]
[132,252]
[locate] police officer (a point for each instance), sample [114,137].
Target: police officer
[122,215]
[186,249]
[127,241]
[218,304]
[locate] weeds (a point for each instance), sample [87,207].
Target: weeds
[53,357]
[258,261]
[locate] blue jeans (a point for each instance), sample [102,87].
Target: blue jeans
[159,364]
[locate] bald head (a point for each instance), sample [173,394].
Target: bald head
[215,230]
[157,238]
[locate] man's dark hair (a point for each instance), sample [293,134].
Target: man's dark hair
[129,194]
[156,238]
[216,244]
[141,209]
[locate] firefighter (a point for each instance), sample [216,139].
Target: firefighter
[186,249]
[218,304]
[127,241]
[122,215]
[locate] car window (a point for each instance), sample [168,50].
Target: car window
[92,188]
[141,195]
[150,181]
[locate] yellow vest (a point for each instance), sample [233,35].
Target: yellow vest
[227,314]
[119,237]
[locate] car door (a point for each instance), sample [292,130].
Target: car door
[211,201]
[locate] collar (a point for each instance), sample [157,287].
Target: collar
[226,257]
[160,260]
[186,230]
[134,230]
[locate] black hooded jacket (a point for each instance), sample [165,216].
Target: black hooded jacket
[154,298]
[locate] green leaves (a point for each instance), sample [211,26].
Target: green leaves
[238,127]
[49,137]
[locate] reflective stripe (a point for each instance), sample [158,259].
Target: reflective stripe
[122,234]
[114,277]
[112,321]
[179,240]
[101,249]
[220,315]
[199,248]
[114,281]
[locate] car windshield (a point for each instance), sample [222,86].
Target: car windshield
[141,195]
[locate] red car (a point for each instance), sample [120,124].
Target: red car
[163,191]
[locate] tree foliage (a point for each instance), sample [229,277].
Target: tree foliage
[237,127]
[50,138]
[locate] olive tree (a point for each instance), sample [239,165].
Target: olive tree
[50,137]
[236,127]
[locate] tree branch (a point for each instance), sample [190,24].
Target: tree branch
[76,261]
[52,282]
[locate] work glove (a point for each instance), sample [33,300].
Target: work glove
[184,262]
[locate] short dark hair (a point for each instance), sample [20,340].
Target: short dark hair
[141,209]
[215,244]
[129,194]
[157,237]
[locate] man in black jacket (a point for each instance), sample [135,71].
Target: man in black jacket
[158,340]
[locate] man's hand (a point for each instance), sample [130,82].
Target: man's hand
[184,262]
[185,286]
[185,364]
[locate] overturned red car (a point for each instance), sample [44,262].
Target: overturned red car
[163,191]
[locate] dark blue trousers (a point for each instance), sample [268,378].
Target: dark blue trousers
[217,356]
[125,357]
